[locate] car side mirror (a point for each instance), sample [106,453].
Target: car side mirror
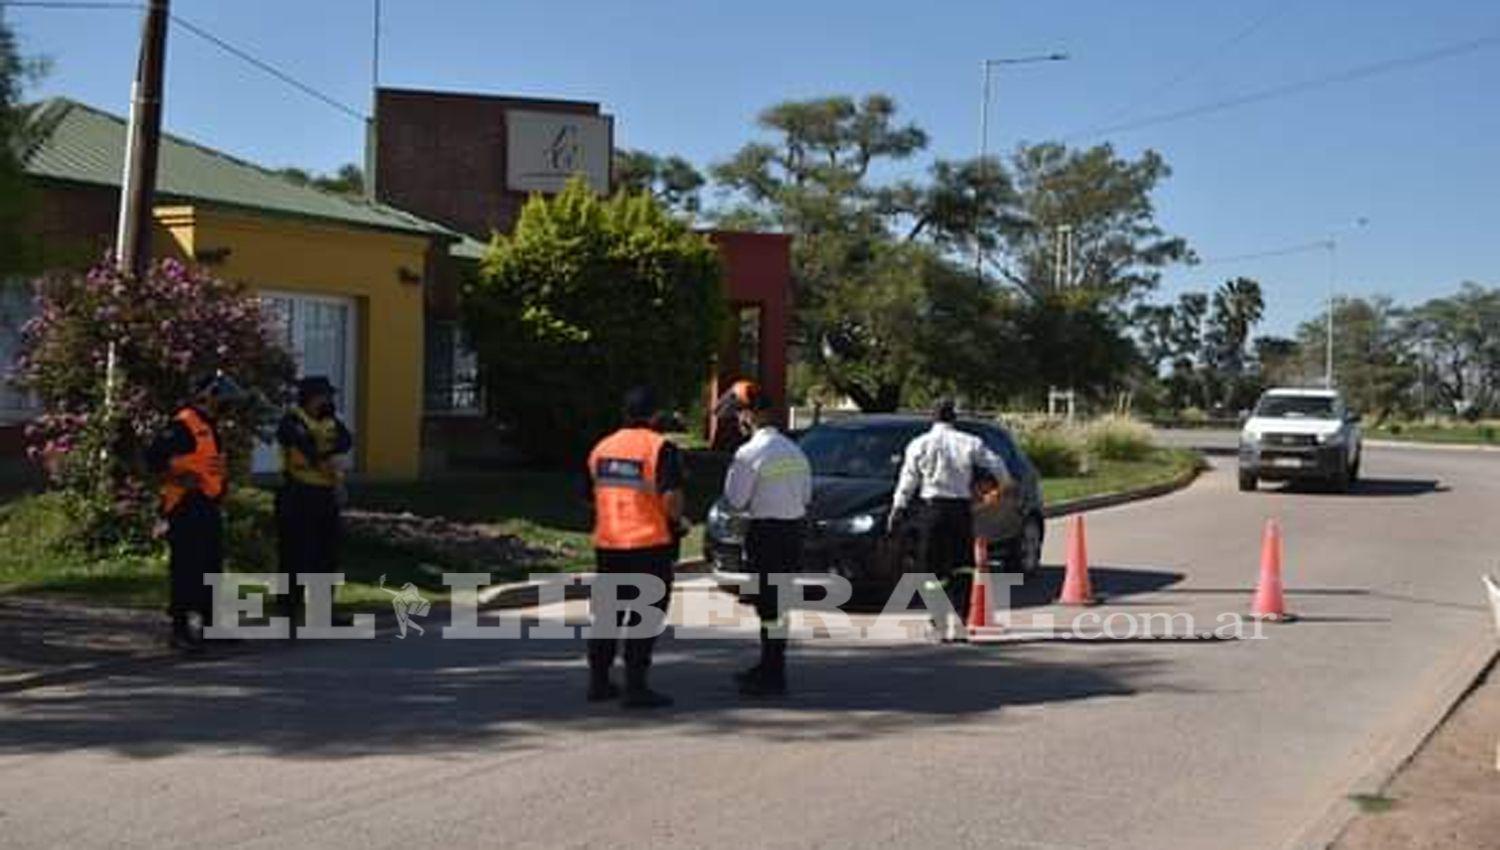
[1355,418]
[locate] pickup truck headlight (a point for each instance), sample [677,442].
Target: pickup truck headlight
[1332,438]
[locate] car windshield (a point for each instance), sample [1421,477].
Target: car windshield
[1295,407]
[873,451]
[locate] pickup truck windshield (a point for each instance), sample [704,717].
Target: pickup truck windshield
[1295,407]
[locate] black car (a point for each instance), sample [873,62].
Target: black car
[855,463]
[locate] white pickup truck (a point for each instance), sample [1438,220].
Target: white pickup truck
[1298,435]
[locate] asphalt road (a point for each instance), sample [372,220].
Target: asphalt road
[1051,744]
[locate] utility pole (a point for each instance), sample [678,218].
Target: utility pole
[138,183]
[142,143]
[985,67]
[370,127]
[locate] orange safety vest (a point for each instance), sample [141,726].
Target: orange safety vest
[205,461]
[629,513]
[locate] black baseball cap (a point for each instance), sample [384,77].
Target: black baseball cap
[313,385]
[640,403]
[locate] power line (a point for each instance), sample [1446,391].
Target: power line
[1277,8]
[239,53]
[59,4]
[1276,92]
[1302,248]
[268,68]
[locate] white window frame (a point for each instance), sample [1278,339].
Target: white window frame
[267,456]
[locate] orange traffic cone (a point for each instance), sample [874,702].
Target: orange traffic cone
[979,590]
[1270,597]
[1077,589]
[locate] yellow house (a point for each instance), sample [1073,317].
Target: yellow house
[342,280]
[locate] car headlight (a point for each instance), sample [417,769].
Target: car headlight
[1250,438]
[723,525]
[1332,438]
[857,524]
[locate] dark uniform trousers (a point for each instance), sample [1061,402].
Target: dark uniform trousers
[195,541]
[948,536]
[657,561]
[307,535]
[772,546]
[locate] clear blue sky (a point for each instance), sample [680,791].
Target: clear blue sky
[1413,150]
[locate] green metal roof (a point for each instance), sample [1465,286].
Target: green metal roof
[70,141]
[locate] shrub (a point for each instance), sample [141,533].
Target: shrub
[169,328]
[1056,452]
[1119,438]
[587,298]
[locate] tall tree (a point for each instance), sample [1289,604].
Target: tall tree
[1456,341]
[1118,248]
[858,294]
[1368,354]
[672,180]
[14,71]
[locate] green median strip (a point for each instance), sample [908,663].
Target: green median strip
[510,524]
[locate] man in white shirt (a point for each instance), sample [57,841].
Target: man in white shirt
[770,480]
[939,473]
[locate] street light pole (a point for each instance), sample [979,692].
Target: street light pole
[1333,273]
[985,66]
[1332,244]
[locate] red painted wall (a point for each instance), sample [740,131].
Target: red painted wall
[757,271]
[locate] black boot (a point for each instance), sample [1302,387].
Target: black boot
[601,689]
[639,695]
[769,679]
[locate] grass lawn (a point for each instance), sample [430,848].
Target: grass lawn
[1112,476]
[546,509]
[1462,433]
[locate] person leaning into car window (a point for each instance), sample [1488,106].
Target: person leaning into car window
[935,489]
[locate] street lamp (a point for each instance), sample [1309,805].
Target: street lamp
[984,135]
[1332,245]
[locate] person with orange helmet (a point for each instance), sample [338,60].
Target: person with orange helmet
[729,432]
[637,484]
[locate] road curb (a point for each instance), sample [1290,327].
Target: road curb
[1431,447]
[1125,497]
[1389,753]
[510,596]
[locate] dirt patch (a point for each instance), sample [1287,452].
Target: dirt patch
[1449,795]
[449,542]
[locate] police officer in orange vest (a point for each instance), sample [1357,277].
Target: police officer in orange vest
[189,457]
[637,480]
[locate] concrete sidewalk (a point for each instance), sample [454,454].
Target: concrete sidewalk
[1448,796]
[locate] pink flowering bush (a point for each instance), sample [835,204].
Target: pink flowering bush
[168,329]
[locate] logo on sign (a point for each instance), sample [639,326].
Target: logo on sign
[565,153]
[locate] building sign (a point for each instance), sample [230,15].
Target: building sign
[544,149]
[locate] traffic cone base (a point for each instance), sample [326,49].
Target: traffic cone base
[1077,588]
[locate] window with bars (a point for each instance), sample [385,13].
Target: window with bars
[451,379]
